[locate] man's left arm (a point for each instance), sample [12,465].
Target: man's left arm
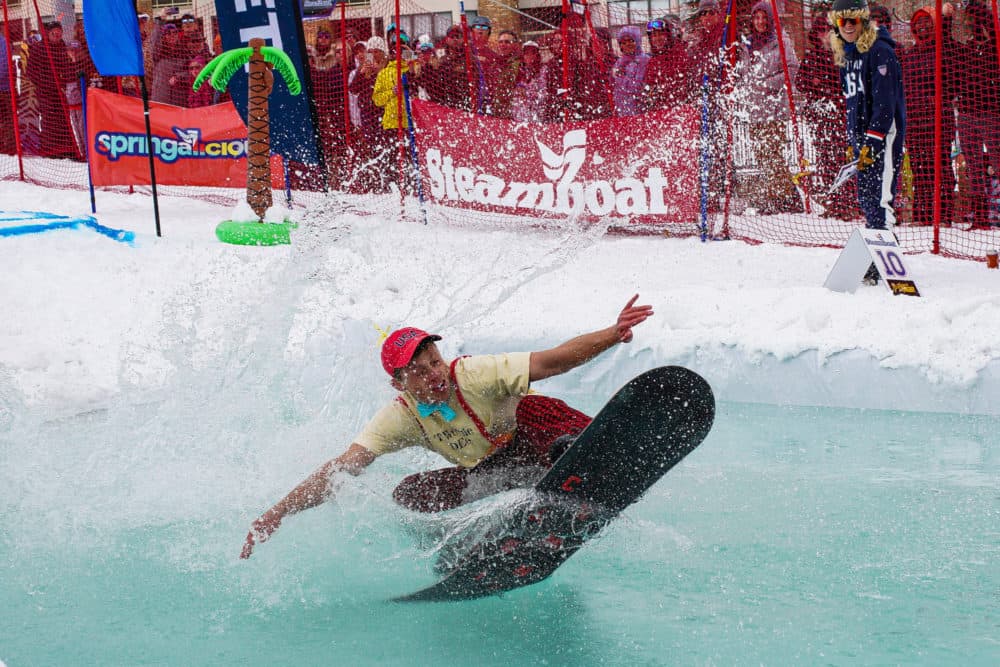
[580,350]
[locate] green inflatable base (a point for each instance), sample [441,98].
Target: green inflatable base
[255,233]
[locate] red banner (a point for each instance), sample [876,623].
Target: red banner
[206,146]
[639,169]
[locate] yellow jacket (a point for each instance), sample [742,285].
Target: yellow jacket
[384,95]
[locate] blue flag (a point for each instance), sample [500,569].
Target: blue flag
[113,37]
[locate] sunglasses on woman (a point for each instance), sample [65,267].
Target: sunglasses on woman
[847,20]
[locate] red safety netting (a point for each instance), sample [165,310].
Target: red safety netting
[761,96]
[545,68]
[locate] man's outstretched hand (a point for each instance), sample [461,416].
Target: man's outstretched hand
[260,531]
[631,316]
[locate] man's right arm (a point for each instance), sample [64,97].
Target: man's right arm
[578,351]
[313,491]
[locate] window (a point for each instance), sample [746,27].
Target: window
[325,7]
[435,24]
[637,12]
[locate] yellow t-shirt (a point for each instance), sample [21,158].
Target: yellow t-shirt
[492,386]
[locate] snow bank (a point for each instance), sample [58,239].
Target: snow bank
[90,319]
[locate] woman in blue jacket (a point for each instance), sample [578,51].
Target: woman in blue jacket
[876,111]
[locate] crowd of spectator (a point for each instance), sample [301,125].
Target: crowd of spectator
[669,62]
[596,73]
[473,70]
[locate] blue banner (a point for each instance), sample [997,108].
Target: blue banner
[112,31]
[279,23]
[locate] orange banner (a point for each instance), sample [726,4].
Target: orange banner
[206,146]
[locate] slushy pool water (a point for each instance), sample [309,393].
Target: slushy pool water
[791,536]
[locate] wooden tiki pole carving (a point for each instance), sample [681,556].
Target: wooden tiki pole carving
[261,81]
[261,60]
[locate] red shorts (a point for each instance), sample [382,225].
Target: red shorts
[540,420]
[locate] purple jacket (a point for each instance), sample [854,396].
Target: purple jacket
[629,74]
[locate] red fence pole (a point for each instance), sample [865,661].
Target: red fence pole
[12,80]
[345,63]
[799,147]
[938,53]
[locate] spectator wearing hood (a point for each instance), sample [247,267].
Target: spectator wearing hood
[876,109]
[978,98]
[818,83]
[387,95]
[918,63]
[762,95]
[629,73]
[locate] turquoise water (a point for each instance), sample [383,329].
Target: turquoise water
[791,536]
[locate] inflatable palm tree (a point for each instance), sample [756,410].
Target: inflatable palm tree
[262,59]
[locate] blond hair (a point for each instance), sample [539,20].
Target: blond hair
[865,40]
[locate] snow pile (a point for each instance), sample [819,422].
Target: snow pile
[88,318]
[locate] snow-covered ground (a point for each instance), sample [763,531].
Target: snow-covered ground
[86,318]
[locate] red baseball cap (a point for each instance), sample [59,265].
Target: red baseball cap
[398,348]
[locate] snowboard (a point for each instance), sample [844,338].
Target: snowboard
[646,428]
